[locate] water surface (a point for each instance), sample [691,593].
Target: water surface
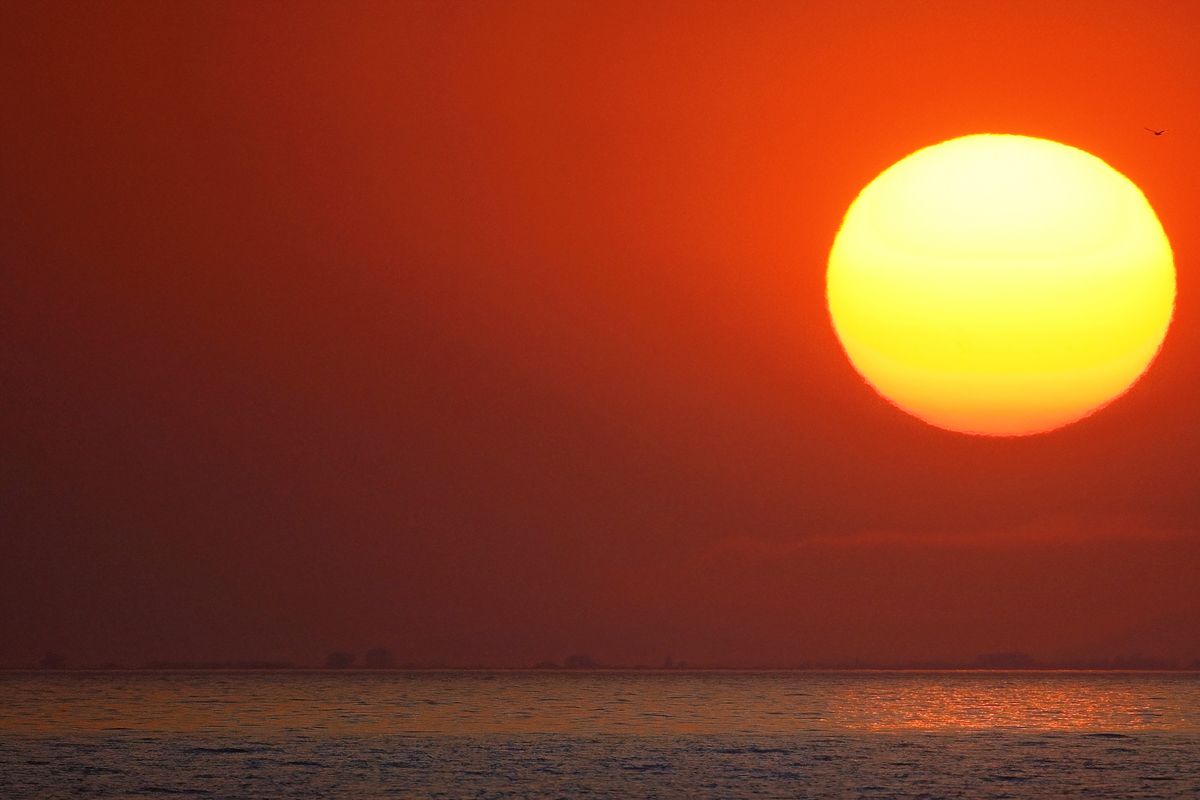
[599,734]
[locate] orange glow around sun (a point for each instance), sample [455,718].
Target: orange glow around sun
[1001,285]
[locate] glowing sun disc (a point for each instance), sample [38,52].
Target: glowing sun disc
[1001,285]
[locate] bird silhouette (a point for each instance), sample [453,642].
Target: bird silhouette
[1157,133]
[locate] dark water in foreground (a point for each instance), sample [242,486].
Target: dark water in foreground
[599,734]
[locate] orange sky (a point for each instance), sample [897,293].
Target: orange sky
[492,332]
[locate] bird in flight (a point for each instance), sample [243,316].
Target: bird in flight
[1157,133]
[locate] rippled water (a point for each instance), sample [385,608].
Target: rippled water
[599,734]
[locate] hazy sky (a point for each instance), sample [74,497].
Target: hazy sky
[492,332]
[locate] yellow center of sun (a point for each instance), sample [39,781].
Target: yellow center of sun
[1001,285]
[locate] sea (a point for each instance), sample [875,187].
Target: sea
[599,734]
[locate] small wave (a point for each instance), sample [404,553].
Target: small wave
[91,769]
[755,749]
[170,790]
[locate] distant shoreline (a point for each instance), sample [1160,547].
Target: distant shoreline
[613,669]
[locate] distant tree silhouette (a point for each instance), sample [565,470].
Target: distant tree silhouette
[546,665]
[1139,662]
[579,661]
[379,658]
[339,659]
[53,660]
[1011,660]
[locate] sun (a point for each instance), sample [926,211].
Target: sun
[1001,285]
